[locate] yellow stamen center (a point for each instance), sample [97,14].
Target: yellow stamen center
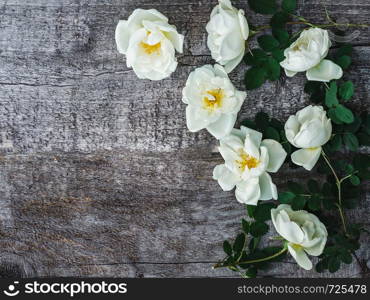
[150,49]
[211,104]
[247,160]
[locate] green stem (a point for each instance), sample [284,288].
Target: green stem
[338,183]
[220,265]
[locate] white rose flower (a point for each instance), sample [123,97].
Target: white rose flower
[308,129]
[213,102]
[149,43]
[247,161]
[303,231]
[307,53]
[227,32]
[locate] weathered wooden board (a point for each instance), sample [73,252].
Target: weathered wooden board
[99,175]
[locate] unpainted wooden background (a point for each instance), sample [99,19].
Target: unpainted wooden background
[99,175]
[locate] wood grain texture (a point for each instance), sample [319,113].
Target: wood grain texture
[99,175]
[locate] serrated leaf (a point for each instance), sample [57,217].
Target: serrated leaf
[333,265]
[289,5]
[268,42]
[278,54]
[262,120]
[346,257]
[254,78]
[346,90]
[279,20]
[313,203]
[299,202]
[255,58]
[263,6]
[351,141]
[344,114]
[263,212]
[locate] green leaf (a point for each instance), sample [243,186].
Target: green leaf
[336,142]
[263,212]
[313,203]
[286,197]
[331,99]
[263,6]
[251,209]
[344,61]
[227,248]
[245,226]
[279,20]
[332,115]
[295,187]
[272,133]
[313,186]
[334,264]
[258,229]
[344,114]
[254,78]
[268,42]
[272,68]
[299,202]
[239,243]
[351,141]
[355,180]
[262,120]
[289,5]
[346,90]
[255,57]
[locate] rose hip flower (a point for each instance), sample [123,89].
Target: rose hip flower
[149,43]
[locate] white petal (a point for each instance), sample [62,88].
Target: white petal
[307,158]
[277,154]
[222,126]
[300,257]
[194,119]
[325,71]
[226,179]
[268,188]
[248,192]
[122,36]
